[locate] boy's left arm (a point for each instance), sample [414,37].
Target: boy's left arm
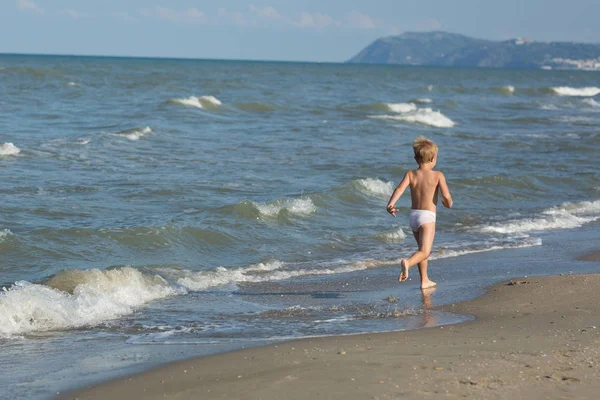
[396,195]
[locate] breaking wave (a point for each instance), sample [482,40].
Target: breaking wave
[374,187]
[566,216]
[133,134]
[9,149]
[582,92]
[206,102]
[425,116]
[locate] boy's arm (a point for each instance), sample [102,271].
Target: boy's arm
[396,195]
[446,197]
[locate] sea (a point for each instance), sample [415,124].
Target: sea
[153,210]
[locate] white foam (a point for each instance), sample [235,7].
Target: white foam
[424,116]
[401,107]
[132,134]
[77,298]
[548,107]
[300,206]
[9,149]
[451,253]
[73,84]
[570,91]
[196,281]
[375,187]
[199,102]
[566,216]
[392,237]
[4,234]
[591,102]
[423,100]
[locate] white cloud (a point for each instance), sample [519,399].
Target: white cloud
[29,6]
[316,20]
[265,16]
[69,12]
[356,19]
[268,13]
[123,16]
[191,15]
[235,17]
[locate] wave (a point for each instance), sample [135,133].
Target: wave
[81,298]
[505,90]
[425,116]
[570,91]
[206,102]
[400,107]
[391,237]
[9,149]
[4,234]
[132,134]
[77,298]
[424,100]
[255,107]
[255,210]
[374,187]
[591,102]
[565,216]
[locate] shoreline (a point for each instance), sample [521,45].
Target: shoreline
[531,337]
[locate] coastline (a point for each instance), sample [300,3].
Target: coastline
[534,337]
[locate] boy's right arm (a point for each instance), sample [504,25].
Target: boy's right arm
[446,197]
[396,195]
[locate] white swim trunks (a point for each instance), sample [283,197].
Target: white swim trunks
[416,218]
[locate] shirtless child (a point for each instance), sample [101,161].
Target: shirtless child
[425,185]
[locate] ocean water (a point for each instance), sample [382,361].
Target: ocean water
[157,209]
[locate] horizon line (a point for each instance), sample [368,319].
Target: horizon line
[174,58]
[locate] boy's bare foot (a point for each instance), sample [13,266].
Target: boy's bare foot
[428,284]
[403,270]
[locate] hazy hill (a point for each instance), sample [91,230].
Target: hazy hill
[450,49]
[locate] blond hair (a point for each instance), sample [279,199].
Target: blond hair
[424,149]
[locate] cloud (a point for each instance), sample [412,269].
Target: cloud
[316,20]
[29,6]
[268,13]
[191,15]
[356,19]
[123,16]
[267,16]
[69,12]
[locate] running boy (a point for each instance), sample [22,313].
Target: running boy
[425,184]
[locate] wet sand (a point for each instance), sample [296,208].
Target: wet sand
[534,338]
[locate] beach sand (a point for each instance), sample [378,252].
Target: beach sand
[533,338]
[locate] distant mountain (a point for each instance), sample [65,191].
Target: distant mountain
[451,49]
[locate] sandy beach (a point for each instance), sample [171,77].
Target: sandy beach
[534,338]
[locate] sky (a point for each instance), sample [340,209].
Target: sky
[308,30]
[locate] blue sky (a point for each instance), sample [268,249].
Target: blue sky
[309,30]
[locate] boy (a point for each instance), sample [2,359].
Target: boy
[425,184]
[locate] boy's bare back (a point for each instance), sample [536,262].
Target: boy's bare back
[425,185]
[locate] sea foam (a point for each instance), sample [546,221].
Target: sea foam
[374,187]
[9,149]
[133,134]
[401,107]
[591,102]
[77,298]
[391,237]
[300,206]
[198,102]
[425,116]
[570,91]
[566,216]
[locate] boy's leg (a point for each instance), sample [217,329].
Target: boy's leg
[426,283]
[426,235]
